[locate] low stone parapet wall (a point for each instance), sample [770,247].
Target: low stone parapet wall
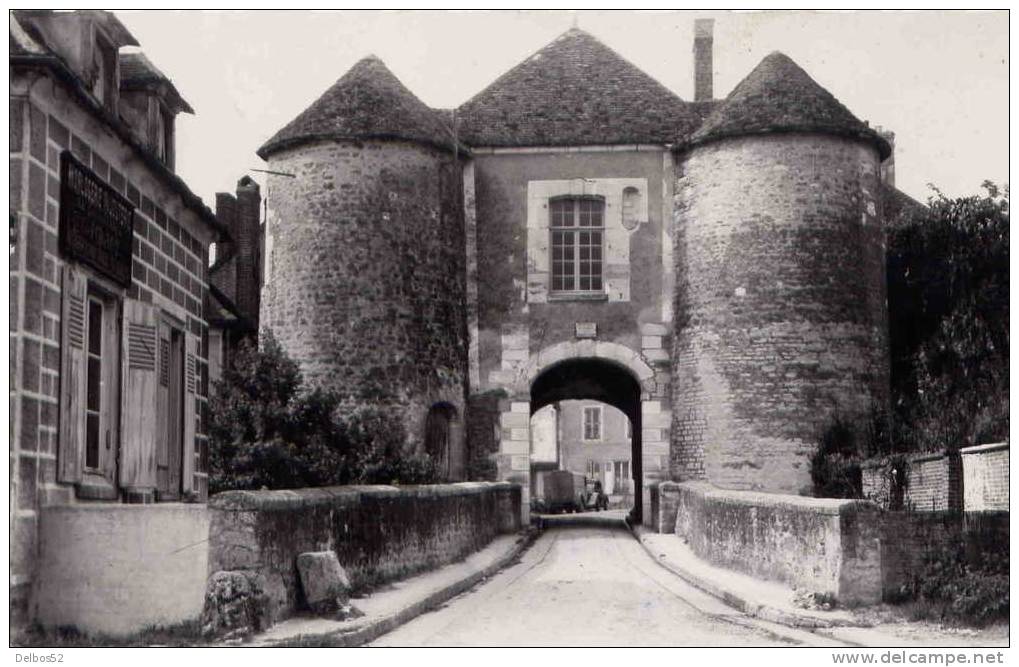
[819,545]
[379,533]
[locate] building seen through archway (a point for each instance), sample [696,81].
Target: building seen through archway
[589,439]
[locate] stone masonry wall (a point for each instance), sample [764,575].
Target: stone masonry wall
[364,279]
[379,533]
[780,310]
[816,544]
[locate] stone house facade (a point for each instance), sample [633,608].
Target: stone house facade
[587,438]
[108,335]
[576,231]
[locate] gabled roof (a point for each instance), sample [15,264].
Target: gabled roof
[368,102]
[778,96]
[575,91]
[137,73]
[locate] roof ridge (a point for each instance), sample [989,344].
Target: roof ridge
[576,89]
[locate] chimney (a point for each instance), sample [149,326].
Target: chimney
[249,247]
[888,166]
[703,45]
[226,212]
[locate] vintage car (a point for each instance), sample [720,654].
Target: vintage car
[561,492]
[593,497]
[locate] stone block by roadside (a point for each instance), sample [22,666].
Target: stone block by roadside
[324,581]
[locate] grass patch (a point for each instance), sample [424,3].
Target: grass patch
[188,633]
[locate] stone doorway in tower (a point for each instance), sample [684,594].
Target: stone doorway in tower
[444,440]
[586,419]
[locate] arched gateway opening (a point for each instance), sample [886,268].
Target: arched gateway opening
[603,381]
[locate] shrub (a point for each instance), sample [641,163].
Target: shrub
[950,588]
[376,451]
[266,431]
[835,466]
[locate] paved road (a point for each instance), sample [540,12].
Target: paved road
[586,586]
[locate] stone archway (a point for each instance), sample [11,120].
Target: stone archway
[580,364]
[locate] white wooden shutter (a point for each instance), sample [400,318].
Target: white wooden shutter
[190,392]
[138,405]
[72,376]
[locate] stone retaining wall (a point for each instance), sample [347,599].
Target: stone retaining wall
[379,533]
[820,545]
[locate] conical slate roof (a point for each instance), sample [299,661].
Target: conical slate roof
[575,91]
[368,102]
[778,96]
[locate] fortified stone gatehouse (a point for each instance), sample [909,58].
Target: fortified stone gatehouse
[714,268]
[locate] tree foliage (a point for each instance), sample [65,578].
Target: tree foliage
[267,431]
[948,305]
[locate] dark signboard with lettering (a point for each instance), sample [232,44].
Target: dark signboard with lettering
[96,222]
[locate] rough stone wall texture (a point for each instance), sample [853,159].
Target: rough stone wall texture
[820,545]
[364,285]
[379,534]
[169,270]
[878,482]
[483,412]
[985,477]
[907,538]
[934,483]
[780,310]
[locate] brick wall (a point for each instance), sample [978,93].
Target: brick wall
[365,277]
[934,483]
[168,267]
[780,312]
[985,477]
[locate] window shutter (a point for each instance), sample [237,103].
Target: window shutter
[138,406]
[190,392]
[72,376]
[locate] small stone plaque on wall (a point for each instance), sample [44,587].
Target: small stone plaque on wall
[586,329]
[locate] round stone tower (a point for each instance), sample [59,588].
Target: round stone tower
[780,313]
[364,268]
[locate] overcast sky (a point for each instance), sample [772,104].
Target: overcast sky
[939,80]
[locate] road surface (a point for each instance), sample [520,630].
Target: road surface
[586,586]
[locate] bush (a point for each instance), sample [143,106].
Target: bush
[835,466]
[267,432]
[949,588]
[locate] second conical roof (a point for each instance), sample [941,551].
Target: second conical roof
[778,96]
